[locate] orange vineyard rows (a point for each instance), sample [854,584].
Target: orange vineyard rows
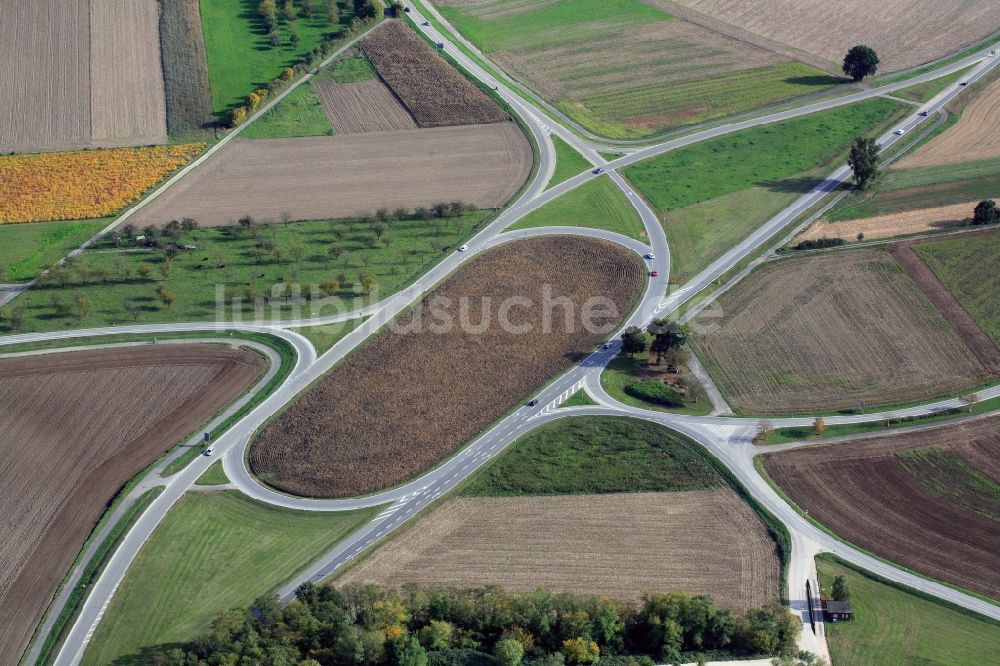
[83,184]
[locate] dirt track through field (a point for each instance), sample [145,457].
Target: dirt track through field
[972,335]
[894,224]
[619,546]
[364,106]
[425,386]
[314,178]
[905,33]
[76,426]
[864,494]
[823,332]
[974,137]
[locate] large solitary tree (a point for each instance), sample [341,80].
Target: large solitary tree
[860,61]
[864,160]
[986,213]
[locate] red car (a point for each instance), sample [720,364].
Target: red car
[654,273]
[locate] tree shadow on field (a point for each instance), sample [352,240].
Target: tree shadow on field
[816,80]
[146,655]
[798,185]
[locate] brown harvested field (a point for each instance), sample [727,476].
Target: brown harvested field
[313,178]
[973,137]
[416,393]
[80,73]
[894,224]
[364,106]
[126,76]
[619,546]
[436,93]
[921,499]
[905,33]
[76,426]
[185,66]
[821,333]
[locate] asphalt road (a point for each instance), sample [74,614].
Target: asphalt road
[725,437]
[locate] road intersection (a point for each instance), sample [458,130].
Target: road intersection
[727,438]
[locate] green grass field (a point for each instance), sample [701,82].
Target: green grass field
[711,195]
[623,370]
[598,204]
[893,626]
[222,261]
[768,156]
[924,92]
[213,551]
[299,114]
[26,249]
[325,336]
[967,265]
[568,162]
[563,21]
[213,476]
[240,57]
[578,399]
[597,454]
[924,187]
[350,70]
[694,101]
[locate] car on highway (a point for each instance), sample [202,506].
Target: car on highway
[964,83]
[993,52]
[901,131]
[654,273]
[209,451]
[426,23]
[649,255]
[606,345]
[532,403]
[924,113]
[598,171]
[463,248]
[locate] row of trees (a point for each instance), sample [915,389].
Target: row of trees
[370,626]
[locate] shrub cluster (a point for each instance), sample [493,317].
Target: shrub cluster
[820,243]
[656,392]
[371,626]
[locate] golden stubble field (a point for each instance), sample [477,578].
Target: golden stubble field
[905,33]
[974,137]
[76,426]
[824,332]
[893,224]
[618,545]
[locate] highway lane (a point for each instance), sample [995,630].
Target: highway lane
[502,433]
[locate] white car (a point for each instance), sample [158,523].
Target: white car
[901,131]
[209,451]
[463,248]
[606,345]
[650,256]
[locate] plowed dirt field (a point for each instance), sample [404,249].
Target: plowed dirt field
[922,499]
[363,106]
[73,428]
[824,332]
[422,388]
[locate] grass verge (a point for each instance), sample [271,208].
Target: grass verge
[894,624]
[578,399]
[213,476]
[568,162]
[625,370]
[597,204]
[91,572]
[212,551]
[299,114]
[325,336]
